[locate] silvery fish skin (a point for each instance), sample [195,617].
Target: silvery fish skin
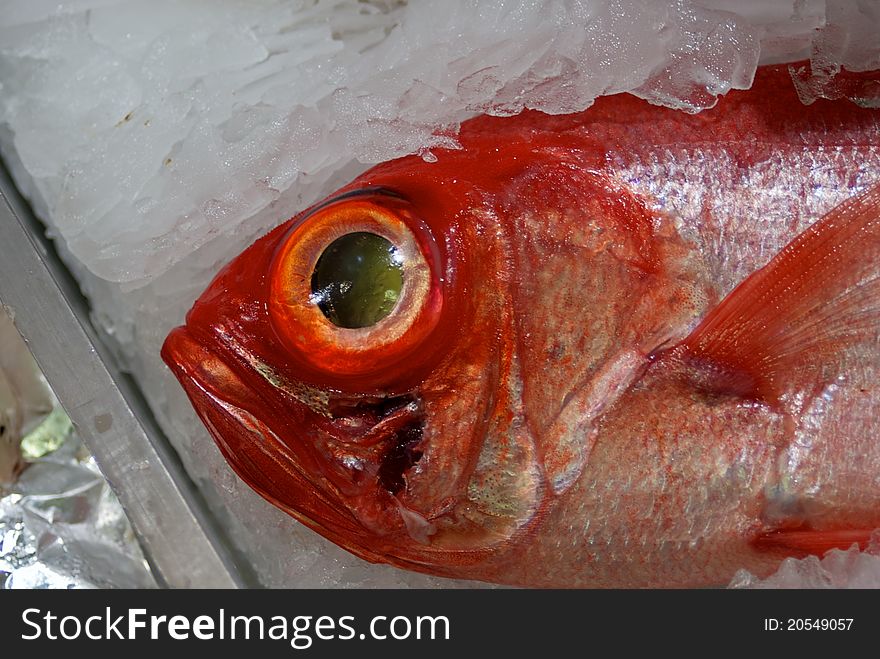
[574,395]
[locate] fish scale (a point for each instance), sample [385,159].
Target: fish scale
[739,217]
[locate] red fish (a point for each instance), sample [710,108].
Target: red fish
[524,363]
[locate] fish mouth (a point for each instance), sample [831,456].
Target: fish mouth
[233,412]
[394,422]
[266,451]
[180,352]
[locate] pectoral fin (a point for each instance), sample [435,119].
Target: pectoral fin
[804,541]
[792,322]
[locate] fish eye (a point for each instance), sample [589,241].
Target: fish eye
[357,279]
[353,286]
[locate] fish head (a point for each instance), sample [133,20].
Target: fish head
[361,420]
[390,366]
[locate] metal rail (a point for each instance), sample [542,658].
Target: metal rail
[178,535]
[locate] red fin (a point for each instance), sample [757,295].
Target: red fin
[790,321]
[803,541]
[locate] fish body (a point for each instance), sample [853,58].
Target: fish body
[569,389]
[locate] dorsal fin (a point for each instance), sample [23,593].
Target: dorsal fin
[792,320]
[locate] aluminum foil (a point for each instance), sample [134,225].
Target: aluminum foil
[62,527]
[60,524]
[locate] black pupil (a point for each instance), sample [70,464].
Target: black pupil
[357,280]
